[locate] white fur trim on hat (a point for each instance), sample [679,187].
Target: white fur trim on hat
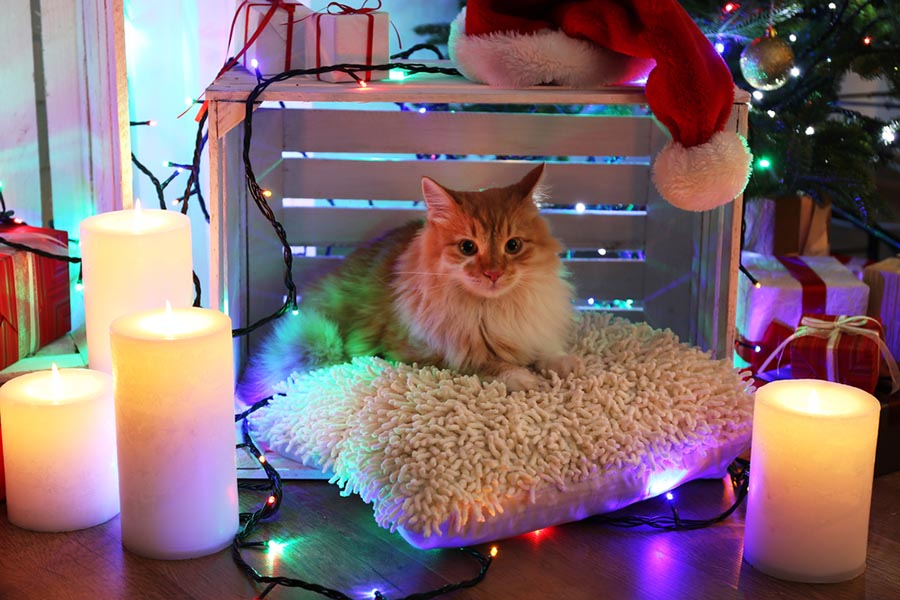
[511,59]
[704,176]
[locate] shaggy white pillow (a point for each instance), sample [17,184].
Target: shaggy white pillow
[450,460]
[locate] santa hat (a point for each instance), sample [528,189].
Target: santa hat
[590,43]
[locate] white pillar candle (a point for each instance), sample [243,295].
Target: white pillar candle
[174,395]
[132,260]
[59,449]
[811,469]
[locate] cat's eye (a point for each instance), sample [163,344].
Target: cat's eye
[468,247]
[513,245]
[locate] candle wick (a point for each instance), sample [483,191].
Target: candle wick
[56,387]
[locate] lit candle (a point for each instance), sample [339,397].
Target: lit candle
[59,447]
[811,471]
[174,395]
[132,260]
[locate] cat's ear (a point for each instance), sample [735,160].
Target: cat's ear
[532,185]
[440,203]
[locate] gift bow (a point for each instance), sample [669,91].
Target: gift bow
[832,330]
[346,9]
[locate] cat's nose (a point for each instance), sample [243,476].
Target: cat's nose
[493,275]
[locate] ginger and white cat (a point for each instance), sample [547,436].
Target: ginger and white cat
[478,287]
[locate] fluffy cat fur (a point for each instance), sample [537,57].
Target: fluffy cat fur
[478,287]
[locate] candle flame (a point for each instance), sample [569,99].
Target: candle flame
[55,382]
[138,211]
[169,321]
[814,403]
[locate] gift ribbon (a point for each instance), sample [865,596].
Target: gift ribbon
[346,9]
[832,330]
[813,287]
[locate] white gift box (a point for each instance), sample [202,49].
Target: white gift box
[883,279]
[357,38]
[780,295]
[281,44]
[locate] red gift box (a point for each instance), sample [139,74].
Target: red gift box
[838,348]
[34,291]
[755,353]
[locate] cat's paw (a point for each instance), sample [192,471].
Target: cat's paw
[563,365]
[520,379]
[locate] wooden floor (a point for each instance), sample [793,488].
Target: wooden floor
[335,542]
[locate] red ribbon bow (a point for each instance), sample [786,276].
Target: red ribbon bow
[346,9]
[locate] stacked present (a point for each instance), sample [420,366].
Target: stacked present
[807,318]
[284,34]
[883,279]
[34,291]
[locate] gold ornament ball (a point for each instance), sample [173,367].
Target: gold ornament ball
[766,62]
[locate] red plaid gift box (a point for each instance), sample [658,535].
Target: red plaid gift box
[347,35]
[838,348]
[273,33]
[34,292]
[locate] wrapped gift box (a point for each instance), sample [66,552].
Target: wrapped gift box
[359,38]
[801,226]
[34,292]
[838,348]
[883,279]
[788,225]
[790,287]
[276,39]
[2,471]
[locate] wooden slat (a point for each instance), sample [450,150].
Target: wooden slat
[607,279]
[105,95]
[401,180]
[601,279]
[261,239]
[335,226]
[598,278]
[399,132]
[236,84]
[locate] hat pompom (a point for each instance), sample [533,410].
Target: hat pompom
[547,56]
[704,176]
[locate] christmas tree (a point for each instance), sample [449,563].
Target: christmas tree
[806,134]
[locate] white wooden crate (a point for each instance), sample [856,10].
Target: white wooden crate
[681,275]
